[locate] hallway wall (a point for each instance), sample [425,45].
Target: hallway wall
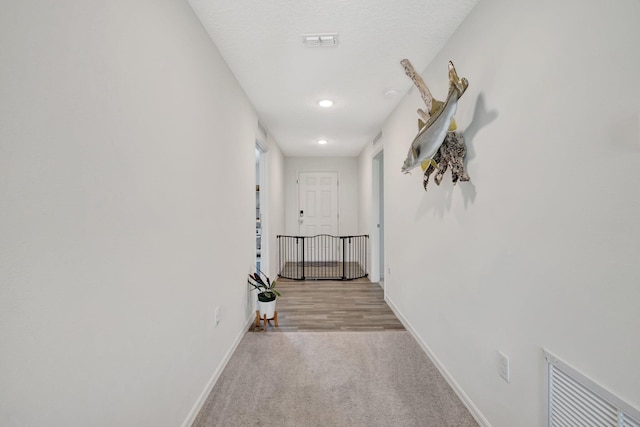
[126,212]
[368,217]
[541,248]
[275,205]
[365,188]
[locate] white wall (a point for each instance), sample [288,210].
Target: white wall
[541,248]
[364,190]
[347,168]
[274,226]
[368,200]
[126,212]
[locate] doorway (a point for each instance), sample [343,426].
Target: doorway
[318,213]
[262,241]
[377,218]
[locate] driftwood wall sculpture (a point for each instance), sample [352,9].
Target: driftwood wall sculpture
[437,146]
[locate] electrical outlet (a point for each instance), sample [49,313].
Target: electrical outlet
[389,270]
[503,366]
[217,315]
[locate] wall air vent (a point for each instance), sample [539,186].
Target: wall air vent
[575,400]
[377,138]
[262,129]
[320,40]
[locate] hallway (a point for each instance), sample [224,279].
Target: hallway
[337,379]
[339,357]
[128,196]
[319,305]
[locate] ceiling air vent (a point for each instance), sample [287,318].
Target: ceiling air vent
[320,40]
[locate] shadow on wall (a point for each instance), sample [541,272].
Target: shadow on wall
[442,200]
[481,118]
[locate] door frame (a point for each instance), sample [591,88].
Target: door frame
[377,217]
[264,205]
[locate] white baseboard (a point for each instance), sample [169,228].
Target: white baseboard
[216,375]
[473,409]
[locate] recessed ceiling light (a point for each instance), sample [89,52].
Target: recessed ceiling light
[322,141]
[326,103]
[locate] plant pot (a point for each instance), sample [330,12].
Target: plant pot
[267,308]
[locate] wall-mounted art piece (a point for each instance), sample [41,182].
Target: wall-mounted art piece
[438,146]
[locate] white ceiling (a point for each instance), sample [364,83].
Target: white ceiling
[261,41]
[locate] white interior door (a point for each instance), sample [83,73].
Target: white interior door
[317,203]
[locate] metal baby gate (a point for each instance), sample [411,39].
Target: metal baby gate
[323,257]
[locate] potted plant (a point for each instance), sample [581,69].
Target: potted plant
[266,293]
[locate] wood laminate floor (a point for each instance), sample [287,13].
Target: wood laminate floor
[356,305]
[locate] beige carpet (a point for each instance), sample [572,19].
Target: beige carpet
[332,379]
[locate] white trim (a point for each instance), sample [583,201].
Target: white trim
[191,417]
[263,166]
[471,407]
[375,219]
[377,150]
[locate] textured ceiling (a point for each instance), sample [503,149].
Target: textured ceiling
[261,41]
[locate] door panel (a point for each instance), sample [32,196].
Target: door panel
[318,198]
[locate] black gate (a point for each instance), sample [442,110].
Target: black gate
[323,257]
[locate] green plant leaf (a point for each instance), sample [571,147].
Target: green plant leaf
[257,281]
